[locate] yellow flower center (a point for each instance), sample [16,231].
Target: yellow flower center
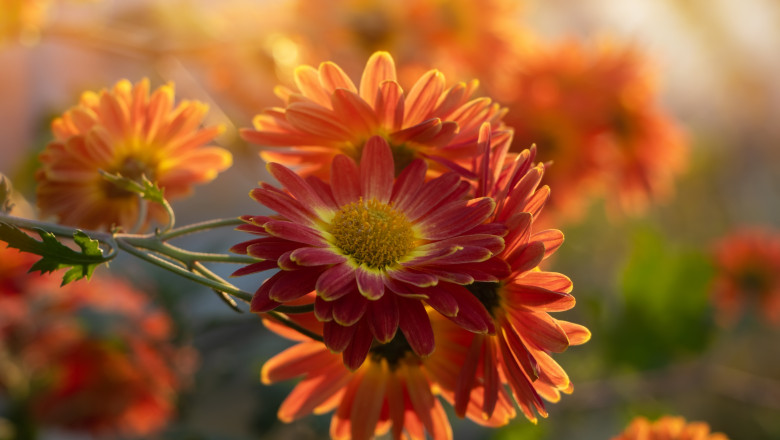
[373,233]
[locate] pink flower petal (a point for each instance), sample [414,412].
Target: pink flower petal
[349,309]
[261,301]
[455,218]
[345,180]
[526,257]
[296,232]
[414,278]
[408,184]
[467,376]
[336,282]
[370,283]
[376,170]
[313,256]
[383,318]
[292,285]
[297,187]
[416,326]
[357,350]
[336,336]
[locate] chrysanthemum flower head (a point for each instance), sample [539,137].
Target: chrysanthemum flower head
[668,428]
[593,113]
[394,391]
[21,19]
[372,247]
[127,131]
[97,355]
[520,351]
[748,274]
[329,115]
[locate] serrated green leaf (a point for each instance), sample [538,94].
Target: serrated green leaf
[145,188]
[56,255]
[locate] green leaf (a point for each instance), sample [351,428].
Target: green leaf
[666,312]
[145,188]
[55,255]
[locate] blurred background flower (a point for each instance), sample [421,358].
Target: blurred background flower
[93,357]
[674,121]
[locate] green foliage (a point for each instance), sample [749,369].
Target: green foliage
[666,312]
[55,255]
[521,430]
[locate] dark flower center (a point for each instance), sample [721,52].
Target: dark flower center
[487,294]
[395,350]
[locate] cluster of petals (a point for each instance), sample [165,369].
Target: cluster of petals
[526,335]
[449,245]
[593,113]
[127,131]
[96,355]
[668,428]
[747,262]
[329,115]
[392,392]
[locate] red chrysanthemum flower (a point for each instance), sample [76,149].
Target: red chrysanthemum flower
[393,391]
[526,335]
[92,361]
[372,247]
[594,115]
[328,115]
[668,428]
[129,132]
[748,272]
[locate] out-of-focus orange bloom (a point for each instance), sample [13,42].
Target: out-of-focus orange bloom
[463,38]
[21,19]
[668,428]
[127,131]
[593,113]
[94,356]
[328,115]
[393,391]
[748,273]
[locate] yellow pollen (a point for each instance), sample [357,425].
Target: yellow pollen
[373,233]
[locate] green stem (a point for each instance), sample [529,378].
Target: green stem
[184,272]
[153,243]
[197,227]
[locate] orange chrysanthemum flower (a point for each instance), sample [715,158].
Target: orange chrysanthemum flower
[748,272]
[92,361]
[372,246]
[668,428]
[21,18]
[125,131]
[594,115]
[393,391]
[328,115]
[453,35]
[526,335]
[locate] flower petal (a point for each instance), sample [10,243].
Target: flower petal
[314,256]
[380,67]
[416,326]
[370,283]
[335,281]
[383,318]
[377,170]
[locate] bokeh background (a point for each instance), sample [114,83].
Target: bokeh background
[643,278]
